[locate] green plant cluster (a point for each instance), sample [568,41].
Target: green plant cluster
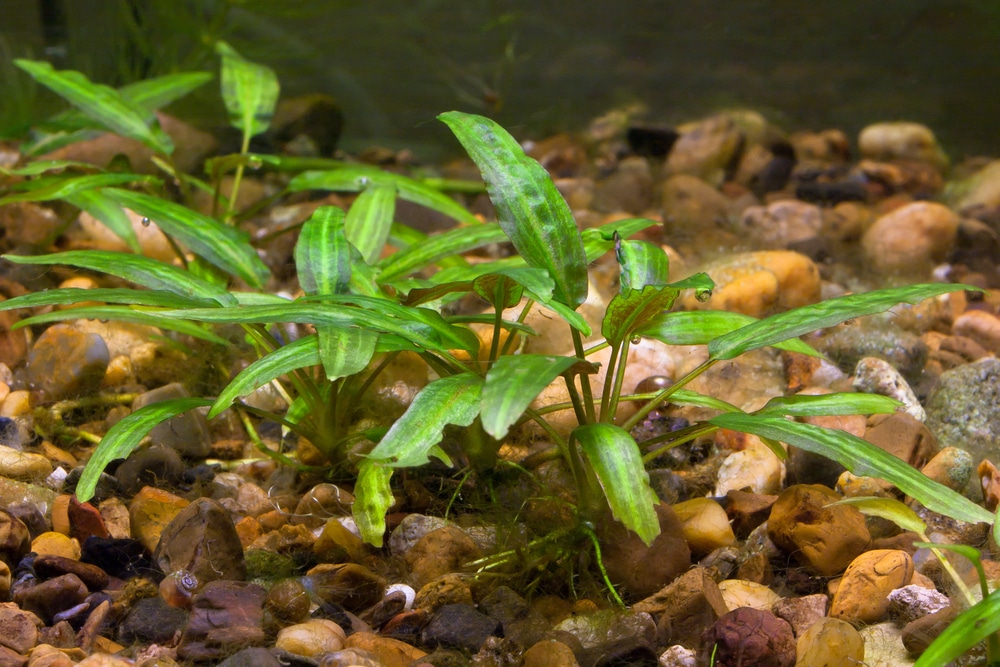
[365,309]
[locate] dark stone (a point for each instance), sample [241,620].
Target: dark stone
[817,192]
[50,597]
[202,540]
[350,585]
[151,621]
[48,566]
[918,634]
[747,636]
[225,616]
[252,657]
[520,622]
[460,626]
[609,637]
[157,466]
[187,432]
[85,521]
[15,539]
[30,516]
[107,486]
[122,558]
[642,570]
[651,141]
[10,434]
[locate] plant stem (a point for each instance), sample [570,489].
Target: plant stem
[665,394]
[244,149]
[588,395]
[682,436]
[600,566]
[616,392]
[609,382]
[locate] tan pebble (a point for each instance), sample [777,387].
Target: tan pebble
[740,593]
[56,544]
[16,464]
[863,595]
[60,514]
[390,652]
[756,468]
[114,512]
[900,140]
[17,404]
[249,529]
[877,376]
[550,653]
[980,326]
[830,642]
[119,372]
[706,525]
[46,655]
[4,392]
[105,659]
[911,239]
[952,467]
[58,455]
[149,513]
[5,580]
[311,638]
[853,486]
[446,589]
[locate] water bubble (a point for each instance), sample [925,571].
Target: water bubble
[703,295]
[255,162]
[145,221]
[363,181]
[636,340]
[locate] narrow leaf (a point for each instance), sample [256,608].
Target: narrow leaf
[249,90]
[373,498]
[109,212]
[799,321]
[529,208]
[158,92]
[122,438]
[70,295]
[846,403]
[370,219]
[301,353]
[60,187]
[617,462]
[322,255]
[970,627]
[43,166]
[700,327]
[221,245]
[124,314]
[435,247]
[887,508]
[859,457]
[512,383]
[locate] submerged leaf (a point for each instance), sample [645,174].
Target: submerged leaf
[373,498]
[641,264]
[249,90]
[700,327]
[322,254]
[369,220]
[512,383]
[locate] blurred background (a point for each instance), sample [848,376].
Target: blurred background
[538,67]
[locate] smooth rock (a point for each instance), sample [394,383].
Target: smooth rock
[119,557]
[641,570]
[410,530]
[550,653]
[911,239]
[782,224]
[918,634]
[48,598]
[910,602]
[863,593]
[980,326]
[692,206]
[874,337]
[18,631]
[201,539]
[705,525]
[877,376]
[49,566]
[5,581]
[323,502]
[610,635]
[350,585]
[288,600]
[901,140]
[27,466]
[154,466]
[801,612]
[389,652]
[976,427]
[15,540]
[747,510]
[952,467]
[748,636]
[254,656]
[440,552]
[759,283]
[65,362]
[706,148]
[225,616]
[902,436]
[824,539]
[755,469]
[830,642]
[446,589]
[459,626]
[151,621]
[311,638]
[686,607]
[521,623]
[884,646]
[741,593]
[629,188]
[85,520]
[187,432]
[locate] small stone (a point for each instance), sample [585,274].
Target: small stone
[447,589]
[389,652]
[980,326]
[919,633]
[863,594]
[801,612]
[114,512]
[678,656]
[5,581]
[782,224]
[119,557]
[911,239]
[740,593]
[15,540]
[884,645]
[459,626]
[640,570]
[825,539]
[550,653]
[150,511]
[901,141]
[830,642]
[877,376]
[288,601]
[748,636]
[187,432]
[629,188]
[46,655]
[201,539]
[85,521]
[311,638]
[65,362]
[908,603]
[755,469]
[225,616]
[254,656]
[410,530]
[705,148]
[153,466]
[690,205]
[686,607]
[952,467]
[151,621]
[747,510]
[705,525]
[902,436]
[350,585]
[610,636]
[18,631]
[50,566]
[323,502]
[16,464]
[440,552]
[48,598]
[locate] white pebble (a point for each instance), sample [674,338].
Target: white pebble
[877,376]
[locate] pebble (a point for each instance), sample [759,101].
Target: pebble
[550,653]
[440,552]
[782,224]
[225,616]
[311,638]
[48,598]
[151,621]
[410,530]
[690,204]
[863,593]
[15,540]
[747,510]
[755,469]
[27,466]
[748,636]
[388,651]
[824,539]
[201,540]
[48,566]
[152,466]
[5,581]
[640,570]
[447,589]
[65,362]
[952,467]
[686,607]
[910,602]
[459,626]
[903,141]
[607,636]
[152,241]
[902,436]
[288,601]
[759,283]
[187,432]
[911,240]
[629,188]
[830,642]
[877,376]
[150,511]
[18,630]
[741,593]
[349,585]
[884,645]
[801,612]
[521,623]
[705,525]
[980,326]
[705,148]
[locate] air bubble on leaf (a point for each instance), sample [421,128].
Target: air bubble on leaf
[363,181]
[255,162]
[636,340]
[145,221]
[703,295]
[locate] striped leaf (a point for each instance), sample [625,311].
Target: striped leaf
[368,222]
[702,326]
[322,254]
[61,187]
[249,90]
[438,246]
[512,383]
[109,212]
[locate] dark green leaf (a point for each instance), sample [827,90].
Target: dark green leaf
[124,314]
[224,247]
[370,219]
[627,312]
[687,397]
[641,263]
[105,105]
[322,255]
[122,438]
[512,383]
[599,240]
[830,404]
[249,90]
[617,462]
[301,353]
[529,208]
[108,211]
[700,327]
[70,295]
[438,246]
[799,321]
[43,166]
[859,457]
[970,627]
[345,350]
[59,187]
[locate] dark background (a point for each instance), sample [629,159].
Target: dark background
[540,66]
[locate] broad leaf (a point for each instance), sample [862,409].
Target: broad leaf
[158,92]
[970,627]
[799,321]
[700,327]
[439,246]
[105,105]
[847,403]
[859,457]
[301,353]
[370,219]
[373,498]
[454,399]
[512,383]
[529,208]
[122,438]
[249,90]
[887,508]
[345,350]
[108,211]
[641,264]
[627,312]
[322,254]
[617,462]
[140,270]
[221,245]
[60,187]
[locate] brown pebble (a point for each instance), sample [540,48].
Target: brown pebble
[747,636]
[863,594]
[49,566]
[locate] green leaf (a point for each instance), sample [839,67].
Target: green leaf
[105,105]
[345,350]
[846,403]
[454,399]
[859,457]
[512,383]
[322,255]
[972,626]
[108,211]
[627,312]
[301,353]
[642,264]
[122,438]
[700,327]
[370,219]
[799,321]
[124,314]
[60,187]
[617,462]
[249,90]
[221,245]
[529,208]
[43,166]
[887,508]
[687,397]
[140,270]
[437,246]
[599,240]
[355,178]
[373,498]
[70,295]
[158,92]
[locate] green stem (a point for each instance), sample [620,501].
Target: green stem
[676,438]
[497,328]
[244,149]
[619,381]
[588,395]
[600,566]
[575,400]
[665,394]
[509,343]
[609,382]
